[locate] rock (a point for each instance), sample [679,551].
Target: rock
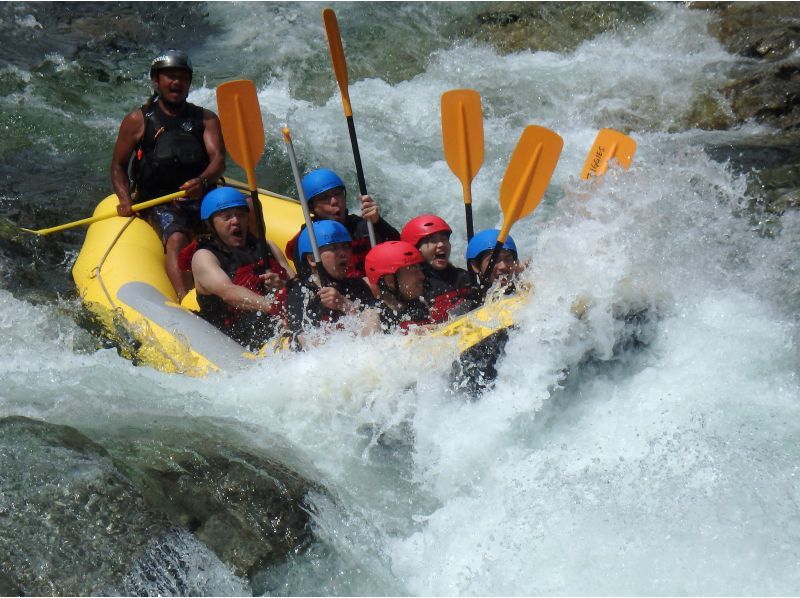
[770,96]
[763,30]
[83,517]
[551,26]
[249,509]
[70,522]
[767,91]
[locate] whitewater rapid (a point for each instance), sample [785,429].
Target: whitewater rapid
[668,469]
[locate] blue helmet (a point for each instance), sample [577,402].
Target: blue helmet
[320,180]
[220,199]
[486,240]
[327,232]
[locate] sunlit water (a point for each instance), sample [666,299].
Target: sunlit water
[670,469]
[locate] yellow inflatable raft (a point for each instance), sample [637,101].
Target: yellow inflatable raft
[121,279]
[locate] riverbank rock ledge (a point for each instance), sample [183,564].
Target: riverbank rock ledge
[79,518]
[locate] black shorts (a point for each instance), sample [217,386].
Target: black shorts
[175,217]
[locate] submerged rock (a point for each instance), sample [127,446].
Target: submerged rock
[140,516]
[70,522]
[247,507]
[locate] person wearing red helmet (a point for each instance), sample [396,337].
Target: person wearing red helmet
[395,268]
[446,285]
[324,293]
[327,199]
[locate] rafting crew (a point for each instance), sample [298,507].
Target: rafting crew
[446,285]
[326,194]
[167,145]
[237,291]
[325,291]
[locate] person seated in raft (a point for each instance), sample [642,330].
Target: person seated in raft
[502,276]
[169,145]
[395,268]
[232,293]
[327,200]
[324,293]
[446,285]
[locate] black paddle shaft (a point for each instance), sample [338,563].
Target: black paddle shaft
[262,233]
[488,272]
[362,183]
[470,229]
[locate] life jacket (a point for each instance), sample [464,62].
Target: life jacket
[304,308]
[413,313]
[241,265]
[445,290]
[171,151]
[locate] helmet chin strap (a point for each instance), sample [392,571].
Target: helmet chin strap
[383,287]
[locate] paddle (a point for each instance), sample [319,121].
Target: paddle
[608,144]
[243,131]
[526,179]
[135,207]
[340,70]
[323,275]
[462,137]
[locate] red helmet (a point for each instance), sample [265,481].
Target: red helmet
[389,257]
[422,226]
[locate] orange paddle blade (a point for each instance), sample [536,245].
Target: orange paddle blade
[242,127]
[528,174]
[608,144]
[462,135]
[337,57]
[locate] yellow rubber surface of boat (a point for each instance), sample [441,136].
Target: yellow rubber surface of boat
[122,265]
[475,326]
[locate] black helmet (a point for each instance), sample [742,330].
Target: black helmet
[170,59]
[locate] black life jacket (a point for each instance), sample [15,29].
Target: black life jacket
[171,152]
[304,308]
[445,290]
[245,327]
[413,313]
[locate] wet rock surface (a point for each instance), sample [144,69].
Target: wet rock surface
[246,507]
[70,523]
[552,26]
[78,518]
[766,91]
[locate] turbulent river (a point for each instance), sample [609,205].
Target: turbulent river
[668,467]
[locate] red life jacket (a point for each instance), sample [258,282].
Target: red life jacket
[241,266]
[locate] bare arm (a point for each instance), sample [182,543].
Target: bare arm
[130,133]
[210,279]
[215,148]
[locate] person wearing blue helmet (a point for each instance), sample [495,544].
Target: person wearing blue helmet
[325,293]
[236,291]
[165,146]
[327,200]
[479,253]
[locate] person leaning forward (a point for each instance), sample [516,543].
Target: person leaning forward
[232,295]
[170,145]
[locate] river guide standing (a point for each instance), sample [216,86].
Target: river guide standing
[169,145]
